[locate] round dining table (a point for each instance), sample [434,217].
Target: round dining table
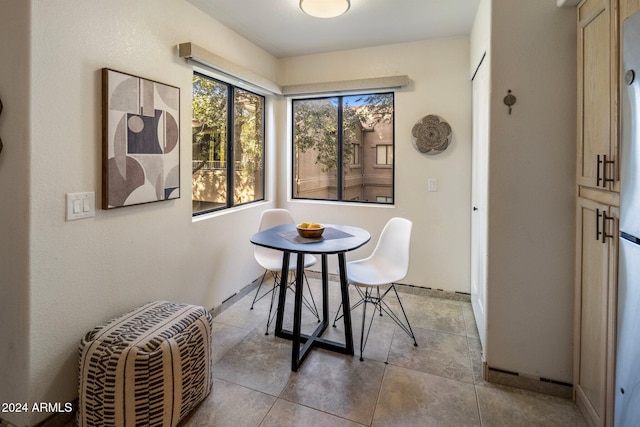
[335,240]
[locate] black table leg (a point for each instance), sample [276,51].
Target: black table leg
[325,289]
[282,296]
[297,314]
[298,353]
[346,305]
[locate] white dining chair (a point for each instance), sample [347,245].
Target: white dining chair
[271,261]
[374,277]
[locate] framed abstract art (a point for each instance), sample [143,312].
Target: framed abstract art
[140,140]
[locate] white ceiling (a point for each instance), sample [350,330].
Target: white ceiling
[281,28]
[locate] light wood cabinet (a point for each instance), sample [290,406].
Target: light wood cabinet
[598,186]
[599,36]
[598,65]
[595,310]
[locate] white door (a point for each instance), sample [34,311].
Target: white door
[479,197]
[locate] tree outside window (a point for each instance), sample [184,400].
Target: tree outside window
[228,149]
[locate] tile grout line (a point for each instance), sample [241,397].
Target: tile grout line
[473,374]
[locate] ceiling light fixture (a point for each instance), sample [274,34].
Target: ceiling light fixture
[324,8]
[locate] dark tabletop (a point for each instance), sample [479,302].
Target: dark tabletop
[335,239]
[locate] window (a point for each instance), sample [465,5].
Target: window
[339,144]
[355,155]
[384,154]
[228,145]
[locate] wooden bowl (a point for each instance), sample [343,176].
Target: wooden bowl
[310,233]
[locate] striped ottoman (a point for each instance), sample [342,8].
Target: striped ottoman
[149,367]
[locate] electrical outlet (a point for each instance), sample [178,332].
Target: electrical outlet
[433,184]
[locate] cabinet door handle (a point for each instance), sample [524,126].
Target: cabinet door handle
[606,163]
[601,170]
[598,170]
[605,218]
[598,215]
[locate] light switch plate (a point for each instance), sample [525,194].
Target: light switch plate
[433,184]
[81,205]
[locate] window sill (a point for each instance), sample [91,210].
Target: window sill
[228,211]
[343,203]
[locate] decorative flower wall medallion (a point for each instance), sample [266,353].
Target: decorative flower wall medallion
[431,134]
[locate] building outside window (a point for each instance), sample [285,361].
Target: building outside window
[339,145]
[228,145]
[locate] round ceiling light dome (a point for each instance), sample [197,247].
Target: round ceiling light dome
[324,8]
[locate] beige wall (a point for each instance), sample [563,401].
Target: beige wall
[61,278]
[532,48]
[440,85]
[14,203]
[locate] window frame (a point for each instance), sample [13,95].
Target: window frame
[230,145]
[339,172]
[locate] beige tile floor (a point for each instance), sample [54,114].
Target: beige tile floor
[438,383]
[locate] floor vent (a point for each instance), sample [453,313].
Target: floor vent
[503,371]
[526,382]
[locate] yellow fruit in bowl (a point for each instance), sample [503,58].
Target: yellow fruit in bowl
[310,230]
